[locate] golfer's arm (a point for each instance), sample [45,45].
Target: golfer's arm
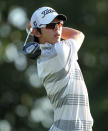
[76,35]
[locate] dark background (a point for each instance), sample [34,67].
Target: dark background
[23,102]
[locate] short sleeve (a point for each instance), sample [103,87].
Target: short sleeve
[75,45]
[66,51]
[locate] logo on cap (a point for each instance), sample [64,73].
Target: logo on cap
[35,24]
[47,11]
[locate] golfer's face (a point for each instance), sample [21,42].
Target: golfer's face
[51,34]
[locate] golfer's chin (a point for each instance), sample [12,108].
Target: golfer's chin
[57,39]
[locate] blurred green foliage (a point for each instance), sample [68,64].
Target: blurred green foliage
[18,94]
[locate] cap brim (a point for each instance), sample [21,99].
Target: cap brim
[61,17]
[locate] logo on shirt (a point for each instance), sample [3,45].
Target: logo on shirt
[47,11]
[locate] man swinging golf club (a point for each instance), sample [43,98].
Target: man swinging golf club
[55,49]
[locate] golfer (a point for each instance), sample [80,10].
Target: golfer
[59,71]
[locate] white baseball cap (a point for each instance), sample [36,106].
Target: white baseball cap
[45,15]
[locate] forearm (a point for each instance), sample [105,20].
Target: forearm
[68,33]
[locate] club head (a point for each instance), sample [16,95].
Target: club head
[32,50]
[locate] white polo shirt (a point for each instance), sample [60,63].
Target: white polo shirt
[62,78]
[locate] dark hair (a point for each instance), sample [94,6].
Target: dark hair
[36,38]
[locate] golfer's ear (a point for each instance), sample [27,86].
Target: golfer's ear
[35,33]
